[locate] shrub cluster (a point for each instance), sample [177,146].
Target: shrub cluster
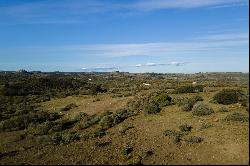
[152,107]
[188,104]
[21,122]
[229,96]
[201,109]
[189,89]
[237,117]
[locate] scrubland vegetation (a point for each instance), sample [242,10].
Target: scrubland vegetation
[113,118]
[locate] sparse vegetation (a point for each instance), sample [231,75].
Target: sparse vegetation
[194,139]
[46,115]
[223,109]
[237,117]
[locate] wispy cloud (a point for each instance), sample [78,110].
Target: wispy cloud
[77,11]
[149,5]
[109,68]
[199,44]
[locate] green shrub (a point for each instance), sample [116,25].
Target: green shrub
[70,137]
[223,109]
[120,116]
[187,107]
[127,150]
[63,125]
[152,107]
[42,129]
[237,117]
[229,96]
[205,126]
[163,100]
[99,133]
[185,128]
[23,121]
[88,121]
[125,128]
[196,98]
[189,89]
[173,133]
[201,109]
[106,122]
[194,139]
[188,103]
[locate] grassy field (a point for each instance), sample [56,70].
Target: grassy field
[137,139]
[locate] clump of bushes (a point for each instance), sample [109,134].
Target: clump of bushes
[205,126]
[185,128]
[188,104]
[69,107]
[88,121]
[229,96]
[63,124]
[61,138]
[111,119]
[127,150]
[21,122]
[172,133]
[180,100]
[189,89]
[152,107]
[120,116]
[201,109]
[237,117]
[223,109]
[163,100]
[194,139]
[106,122]
[125,128]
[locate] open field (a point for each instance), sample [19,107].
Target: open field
[114,118]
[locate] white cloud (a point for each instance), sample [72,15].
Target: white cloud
[68,11]
[213,42]
[149,5]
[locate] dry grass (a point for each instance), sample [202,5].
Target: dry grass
[224,143]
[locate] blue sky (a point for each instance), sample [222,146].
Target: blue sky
[184,36]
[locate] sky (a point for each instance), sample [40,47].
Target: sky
[162,36]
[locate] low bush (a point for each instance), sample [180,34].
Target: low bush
[163,100]
[223,109]
[127,150]
[186,107]
[229,96]
[23,121]
[106,122]
[180,100]
[194,139]
[205,126]
[63,125]
[237,117]
[173,133]
[120,116]
[70,137]
[185,128]
[189,89]
[152,107]
[88,122]
[188,103]
[201,109]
